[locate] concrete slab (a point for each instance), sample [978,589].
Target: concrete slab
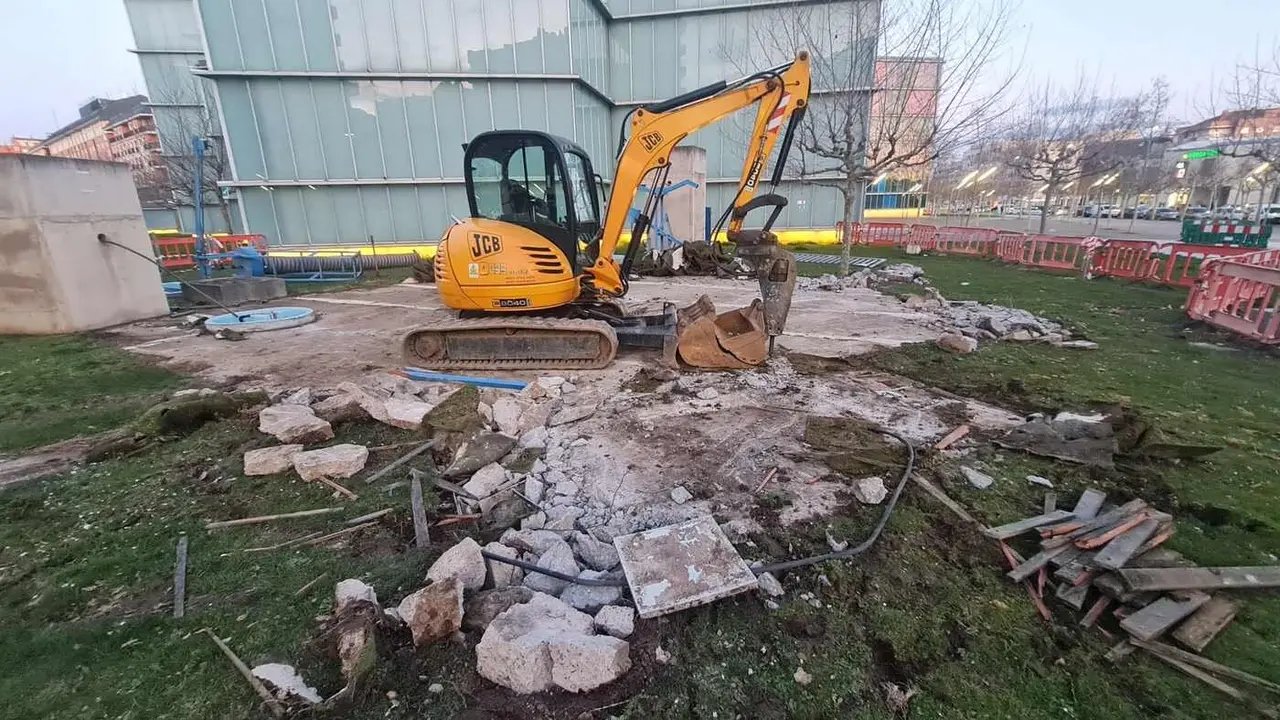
[682,566]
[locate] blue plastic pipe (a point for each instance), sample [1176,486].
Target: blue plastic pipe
[425,376]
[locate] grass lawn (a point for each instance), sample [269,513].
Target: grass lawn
[86,559]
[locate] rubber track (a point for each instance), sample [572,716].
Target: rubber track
[444,327]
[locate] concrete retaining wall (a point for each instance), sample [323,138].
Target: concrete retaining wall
[55,277]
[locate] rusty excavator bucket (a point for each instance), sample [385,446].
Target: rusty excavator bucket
[741,338]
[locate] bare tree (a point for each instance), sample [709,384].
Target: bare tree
[1064,135]
[935,85]
[178,123]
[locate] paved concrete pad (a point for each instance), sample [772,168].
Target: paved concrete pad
[682,566]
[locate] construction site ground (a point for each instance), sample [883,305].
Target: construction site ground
[86,558]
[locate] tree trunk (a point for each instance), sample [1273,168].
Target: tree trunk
[225,208]
[852,215]
[1044,210]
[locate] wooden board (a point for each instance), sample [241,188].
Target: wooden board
[1205,624]
[1119,551]
[1003,532]
[1201,578]
[1073,595]
[1151,621]
[944,498]
[1089,503]
[1034,563]
[1095,612]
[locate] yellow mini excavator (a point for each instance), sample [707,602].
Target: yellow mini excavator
[532,271]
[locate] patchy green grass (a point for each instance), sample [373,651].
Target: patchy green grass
[86,560]
[54,388]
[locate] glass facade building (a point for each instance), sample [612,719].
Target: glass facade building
[344,119]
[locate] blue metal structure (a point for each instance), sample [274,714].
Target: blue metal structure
[660,236]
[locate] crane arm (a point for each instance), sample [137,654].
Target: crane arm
[658,128]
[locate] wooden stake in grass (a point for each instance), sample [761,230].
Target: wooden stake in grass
[272,703]
[269,518]
[338,488]
[180,579]
[335,535]
[421,534]
[767,477]
[401,461]
[303,590]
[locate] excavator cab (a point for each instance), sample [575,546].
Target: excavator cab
[537,181]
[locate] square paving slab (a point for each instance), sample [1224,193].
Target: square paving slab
[682,566]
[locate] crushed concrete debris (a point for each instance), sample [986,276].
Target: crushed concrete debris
[517,652]
[286,682]
[1069,438]
[301,396]
[958,344]
[1037,480]
[980,480]
[339,408]
[462,561]
[563,518]
[479,451]
[802,677]
[294,424]
[351,591]
[769,585]
[333,462]
[680,496]
[487,480]
[572,414]
[662,656]
[533,541]
[433,613]
[870,491]
[558,557]
[899,273]
[595,554]
[590,598]
[506,414]
[502,574]
[708,394]
[1078,345]
[616,620]
[832,283]
[406,414]
[480,609]
[270,461]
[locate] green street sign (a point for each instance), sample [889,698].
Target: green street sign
[1201,154]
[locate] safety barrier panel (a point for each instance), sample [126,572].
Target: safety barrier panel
[1183,263]
[923,236]
[1130,259]
[882,234]
[965,241]
[179,251]
[1240,294]
[1056,253]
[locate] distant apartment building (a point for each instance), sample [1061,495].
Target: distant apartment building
[904,116]
[120,130]
[1234,125]
[20,146]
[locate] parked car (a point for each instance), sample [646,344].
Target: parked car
[1114,211]
[1141,212]
[1197,212]
[1227,212]
[1167,213]
[1271,214]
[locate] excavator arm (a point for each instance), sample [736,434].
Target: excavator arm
[781,92]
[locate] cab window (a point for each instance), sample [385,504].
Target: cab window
[517,180]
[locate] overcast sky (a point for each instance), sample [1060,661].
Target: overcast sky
[55,54]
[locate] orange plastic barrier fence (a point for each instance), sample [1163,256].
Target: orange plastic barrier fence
[1182,265]
[882,234]
[1055,253]
[179,251]
[1132,259]
[925,236]
[965,241]
[1241,294]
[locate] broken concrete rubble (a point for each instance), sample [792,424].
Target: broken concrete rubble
[680,496]
[870,491]
[595,554]
[1065,438]
[351,591]
[563,518]
[616,620]
[590,598]
[433,613]
[406,414]
[506,414]
[270,461]
[480,450]
[534,541]
[333,462]
[339,408]
[769,585]
[286,682]
[301,396]
[515,649]
[502,574]
[958,344]
[484,606]
[370,403]
[980,480]
[462,561]
[487,480]
[585,662]
[558,557]
[294,424]
[534,489]
[572,414]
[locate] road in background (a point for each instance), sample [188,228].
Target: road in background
[1113,228]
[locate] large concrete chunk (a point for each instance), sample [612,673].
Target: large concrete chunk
[558,558]
[534,541]
[434,612]
[581,663]
[351,591]
[680,566]
[270,461]
[373,405]
[479,451]
[462,561]
[487,480]
[506,414]
[484,606]
[514,651]
[339,408]
[590,598]
[616,620]
[595,554]
[333,462]
[406,414]
[294,424]
[502,574]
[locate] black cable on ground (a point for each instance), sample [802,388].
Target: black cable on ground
[875,532]
[171,274]
[592,582]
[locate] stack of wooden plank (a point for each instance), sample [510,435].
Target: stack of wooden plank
[1113,554]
